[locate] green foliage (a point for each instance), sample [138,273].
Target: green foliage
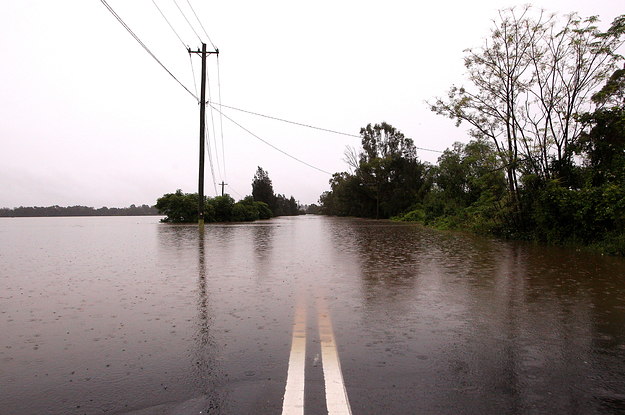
[527,84]
[263,210]
[180,207]
[183,207]
[286,207]
[417,215]
[550,172]
[585,216]
[258,210]
[387,180]
[262,191]
[312,209]
[538,167]
[603,145]
[222,208]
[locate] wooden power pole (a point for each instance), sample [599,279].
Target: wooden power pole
[203,54]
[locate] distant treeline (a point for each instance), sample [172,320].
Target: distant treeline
[40,211]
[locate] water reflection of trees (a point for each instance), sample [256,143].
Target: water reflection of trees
[263,241]
[540,327]
[387,260]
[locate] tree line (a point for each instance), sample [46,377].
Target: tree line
[546,160]
[40,211]
[179,207]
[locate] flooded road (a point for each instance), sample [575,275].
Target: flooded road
[124,315]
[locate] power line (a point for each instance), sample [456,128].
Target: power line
[266,142]
[237,193]
[290,122]
[201,25]
[119,19]
[210,157]
[185,18]
[221,124]
[213,124]
[311,126]
[172,28]
[193,73]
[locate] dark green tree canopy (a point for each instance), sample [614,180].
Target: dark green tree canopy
[262,188]
[386,180]
[603,143]
[182,207]
[262,191]
[385,141]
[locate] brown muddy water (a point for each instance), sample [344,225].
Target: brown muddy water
[124,315]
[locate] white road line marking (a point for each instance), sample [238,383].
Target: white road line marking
[336,394]
[293,403]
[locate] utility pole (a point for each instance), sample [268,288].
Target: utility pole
[203,54]
[222,187]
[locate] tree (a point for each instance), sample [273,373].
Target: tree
[467,176]
[389,169]
[181,207]
[603,145]
[262,189]
[223,207]
[529,80]
[385,177]
[259,210]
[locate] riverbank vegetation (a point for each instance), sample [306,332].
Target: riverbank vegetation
[546,159]
[179,207]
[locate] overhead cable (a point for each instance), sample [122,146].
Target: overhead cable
[193,73]
[311,126]
[201,25]
[119,19]
[237,193]
[290,122]
[172,28]
[266,142]
[210,157]
[213,124]
[221,124]
[185,18]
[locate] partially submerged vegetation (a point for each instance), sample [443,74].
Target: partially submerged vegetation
[546,161]
[179,207]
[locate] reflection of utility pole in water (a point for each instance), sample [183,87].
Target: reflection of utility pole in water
[208,376]
[203,53]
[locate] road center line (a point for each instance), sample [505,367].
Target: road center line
[293,403]
[336,394]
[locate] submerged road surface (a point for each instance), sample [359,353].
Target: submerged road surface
[304,315]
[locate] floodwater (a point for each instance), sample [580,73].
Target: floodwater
[124,315]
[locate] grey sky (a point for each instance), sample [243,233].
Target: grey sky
[88,117]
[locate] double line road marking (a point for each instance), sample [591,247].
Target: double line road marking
[293,403]
[336,394]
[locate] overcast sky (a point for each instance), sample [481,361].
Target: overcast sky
[87,117]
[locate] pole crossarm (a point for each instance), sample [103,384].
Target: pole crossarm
[199,52]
